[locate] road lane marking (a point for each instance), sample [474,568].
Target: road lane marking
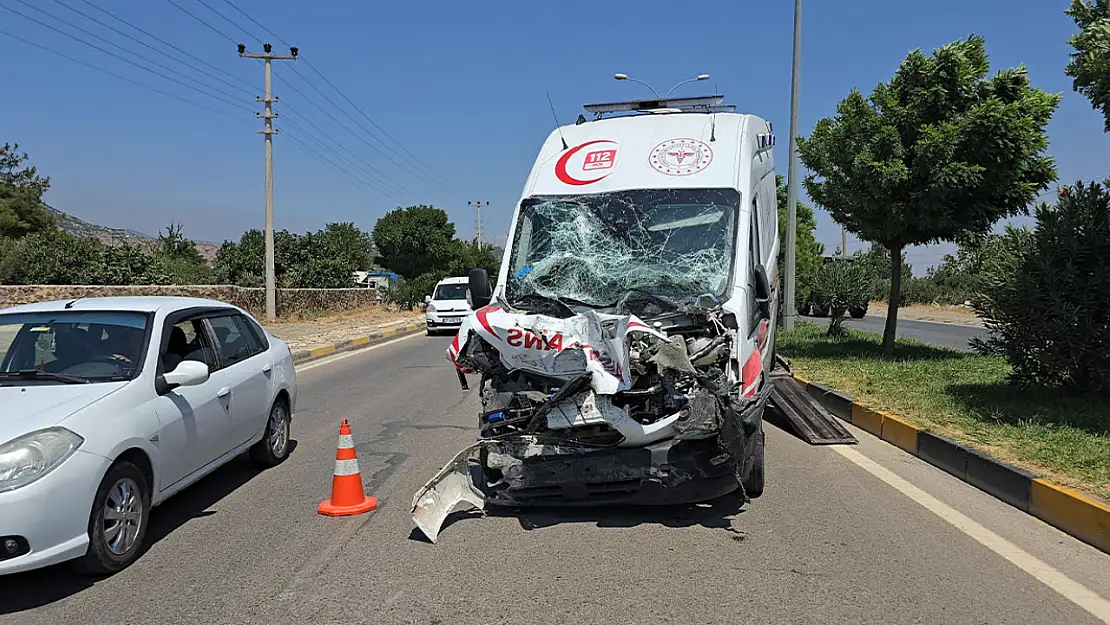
[1070,589]
[327,361]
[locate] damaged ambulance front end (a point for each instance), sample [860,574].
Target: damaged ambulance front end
[618,358]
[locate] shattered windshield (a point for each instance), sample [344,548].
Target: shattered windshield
[595,250]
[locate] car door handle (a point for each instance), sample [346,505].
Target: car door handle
[223,392]
[266,368]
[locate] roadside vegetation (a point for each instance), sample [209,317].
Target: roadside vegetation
[1037,391]
[967,397]
[417,242]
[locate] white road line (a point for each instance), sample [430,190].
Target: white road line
[1070,589]
[355,352]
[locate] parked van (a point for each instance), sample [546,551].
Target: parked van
[624,349]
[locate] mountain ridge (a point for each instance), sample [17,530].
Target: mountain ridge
[76,226]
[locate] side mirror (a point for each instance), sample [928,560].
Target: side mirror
[479,290]
[427,299]
[763,290]
[187,373]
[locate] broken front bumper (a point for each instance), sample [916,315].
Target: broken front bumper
[527,473]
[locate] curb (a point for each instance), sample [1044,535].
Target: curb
[1069,511]
[302,356]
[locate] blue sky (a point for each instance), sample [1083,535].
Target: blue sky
[461,85]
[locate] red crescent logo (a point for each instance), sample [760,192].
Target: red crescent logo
[561,166]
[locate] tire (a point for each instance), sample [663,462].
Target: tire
[273,449]
[858,313]
[124,488]
[753,483]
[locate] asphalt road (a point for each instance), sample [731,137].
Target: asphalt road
[865,534]
[939,334]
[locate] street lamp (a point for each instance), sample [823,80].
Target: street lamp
[699,78]
[626,77]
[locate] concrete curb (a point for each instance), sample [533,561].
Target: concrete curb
[1068,510]
[301,356]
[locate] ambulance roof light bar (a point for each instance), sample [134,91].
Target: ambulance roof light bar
[712,103]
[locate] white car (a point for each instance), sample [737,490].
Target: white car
[447,305]
[109,406]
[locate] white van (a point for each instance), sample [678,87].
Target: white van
[447,306]
[625,348]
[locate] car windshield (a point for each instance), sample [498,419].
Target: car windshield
[597,250]
[59,347]
[450,292]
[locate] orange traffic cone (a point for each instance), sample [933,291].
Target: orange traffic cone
[347,495]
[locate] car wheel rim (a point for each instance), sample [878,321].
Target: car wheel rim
[279,430]
[123,516]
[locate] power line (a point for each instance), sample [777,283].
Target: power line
[150,47]
[225,18]
[333,118]
[113,54]
[437,179]
[340,167]
[210,27]
[357,167]
[119,76]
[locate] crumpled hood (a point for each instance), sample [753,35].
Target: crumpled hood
[589,342]
[28,408]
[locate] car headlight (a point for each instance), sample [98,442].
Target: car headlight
[431,308]
[30,457]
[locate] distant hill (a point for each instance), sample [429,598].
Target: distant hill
[117,236]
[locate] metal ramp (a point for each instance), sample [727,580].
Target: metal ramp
[803,413]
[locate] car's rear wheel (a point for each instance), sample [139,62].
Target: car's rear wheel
[118,521]
[273,449]
[753,483]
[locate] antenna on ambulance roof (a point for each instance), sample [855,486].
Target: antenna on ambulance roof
[557,124]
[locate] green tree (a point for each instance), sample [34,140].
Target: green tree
[838,287]
[346,244]
[176,260]
[468,255]
[416,240]
[21,191]
[1090,63]
[51,257]
[1046,293]
[940,150]
[809,254]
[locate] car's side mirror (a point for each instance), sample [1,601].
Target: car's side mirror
[427,299]
[187,373]
[478,289]
[763,290]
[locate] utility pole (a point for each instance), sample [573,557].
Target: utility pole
[479,206]
[843,242]
[268,133]
[790,271]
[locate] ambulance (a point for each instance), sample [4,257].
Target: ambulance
[623,352]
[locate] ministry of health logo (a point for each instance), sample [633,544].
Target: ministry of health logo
[680,157]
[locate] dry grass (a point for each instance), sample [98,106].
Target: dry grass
[313,330]
[966,397]
[957,315]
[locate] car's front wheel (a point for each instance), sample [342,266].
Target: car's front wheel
[118,521]
[273,449]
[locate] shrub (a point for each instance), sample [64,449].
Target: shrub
[51,257]
[838,287]
[1046,294]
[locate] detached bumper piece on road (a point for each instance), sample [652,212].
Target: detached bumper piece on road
[805,415]
[695,466]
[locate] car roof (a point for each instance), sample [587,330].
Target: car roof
[454,280]
[137,304]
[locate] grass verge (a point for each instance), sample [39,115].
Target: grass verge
[966,397]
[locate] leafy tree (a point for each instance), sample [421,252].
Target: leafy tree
[468,255]
[838,287]
[809,254]
[51,257]
[346,244]
[940,150]
[1046,293]
[122,265]
[1090,64]
[176,260]
[21,191]
[415,240]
